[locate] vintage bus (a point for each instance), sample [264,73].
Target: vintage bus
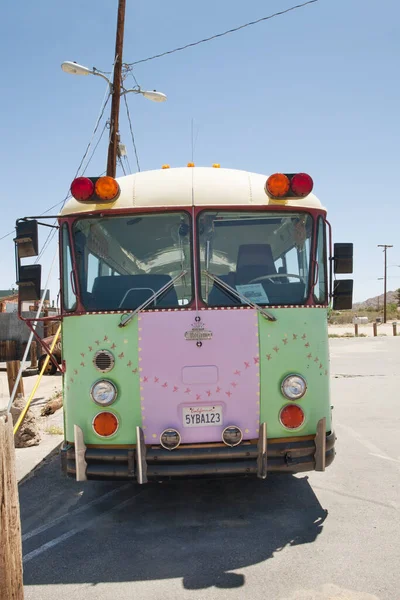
[194,306]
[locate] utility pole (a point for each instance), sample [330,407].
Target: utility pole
[116,93]
[385,247]
[11,584]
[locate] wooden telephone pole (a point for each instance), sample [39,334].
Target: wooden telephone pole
[116,93]
[385,247]
[11,586]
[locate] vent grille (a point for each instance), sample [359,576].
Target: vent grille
[104,361]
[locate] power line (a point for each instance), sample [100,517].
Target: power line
[127,162]
[132,136]
[122,164]
[52,233]
[218,35]
[128,70]
[6,235]
[95,148]
[86,151]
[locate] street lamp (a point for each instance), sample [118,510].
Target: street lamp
[385,247]
[116,91]
[75,69]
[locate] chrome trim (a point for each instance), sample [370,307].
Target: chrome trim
[262,461]
[115,392]
[179,436]
[80,451]
[141,473]
[320,445]
[305,388]
[237,443]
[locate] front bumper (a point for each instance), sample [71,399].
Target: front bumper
[143,463]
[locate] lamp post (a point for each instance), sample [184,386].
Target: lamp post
[116,88]
[74,69]
[385,247]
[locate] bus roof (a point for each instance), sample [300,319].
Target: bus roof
[180,187]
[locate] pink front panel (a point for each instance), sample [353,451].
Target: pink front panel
[177,375]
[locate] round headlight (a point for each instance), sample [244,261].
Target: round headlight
[170,439]
[294,387]
[103,392]
[232,435]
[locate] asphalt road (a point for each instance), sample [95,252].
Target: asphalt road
[324,536]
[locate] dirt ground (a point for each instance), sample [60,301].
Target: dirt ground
[347,330]
[49,387]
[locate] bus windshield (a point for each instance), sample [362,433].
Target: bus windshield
[265,256]
[123,261]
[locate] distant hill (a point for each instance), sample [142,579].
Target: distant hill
[377,301]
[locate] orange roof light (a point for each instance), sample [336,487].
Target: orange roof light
[216,166]
[278,185]
[107,188]
[165,167]
[190,164]
[105,424]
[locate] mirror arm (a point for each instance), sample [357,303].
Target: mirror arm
[330,261]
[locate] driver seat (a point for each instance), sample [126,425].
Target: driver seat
[254,260]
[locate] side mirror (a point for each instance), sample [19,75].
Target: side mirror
[27,239]
[343,294]
[343,258]
[29,277]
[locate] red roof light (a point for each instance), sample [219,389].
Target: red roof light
[301,184]
[82,188]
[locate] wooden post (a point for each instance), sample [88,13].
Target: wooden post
[394,324]
[12,373]
[11,584]
[356,329]
[11,349]
[375,327]
[34,355]
[320,445]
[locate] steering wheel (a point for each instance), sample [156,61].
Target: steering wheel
[276,276]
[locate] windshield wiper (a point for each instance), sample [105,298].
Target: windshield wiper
[128,317]
[226,287]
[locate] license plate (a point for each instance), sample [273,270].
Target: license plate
[202,416]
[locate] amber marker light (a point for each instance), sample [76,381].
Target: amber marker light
[278,185]
[105,424]
[106,188]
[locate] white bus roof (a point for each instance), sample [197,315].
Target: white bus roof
[202,186]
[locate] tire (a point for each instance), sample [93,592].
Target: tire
[51,369]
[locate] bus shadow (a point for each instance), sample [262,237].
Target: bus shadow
[196,530]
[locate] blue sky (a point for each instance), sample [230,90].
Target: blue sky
[315,90]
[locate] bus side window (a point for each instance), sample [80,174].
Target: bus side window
[320,286]
[69,297]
